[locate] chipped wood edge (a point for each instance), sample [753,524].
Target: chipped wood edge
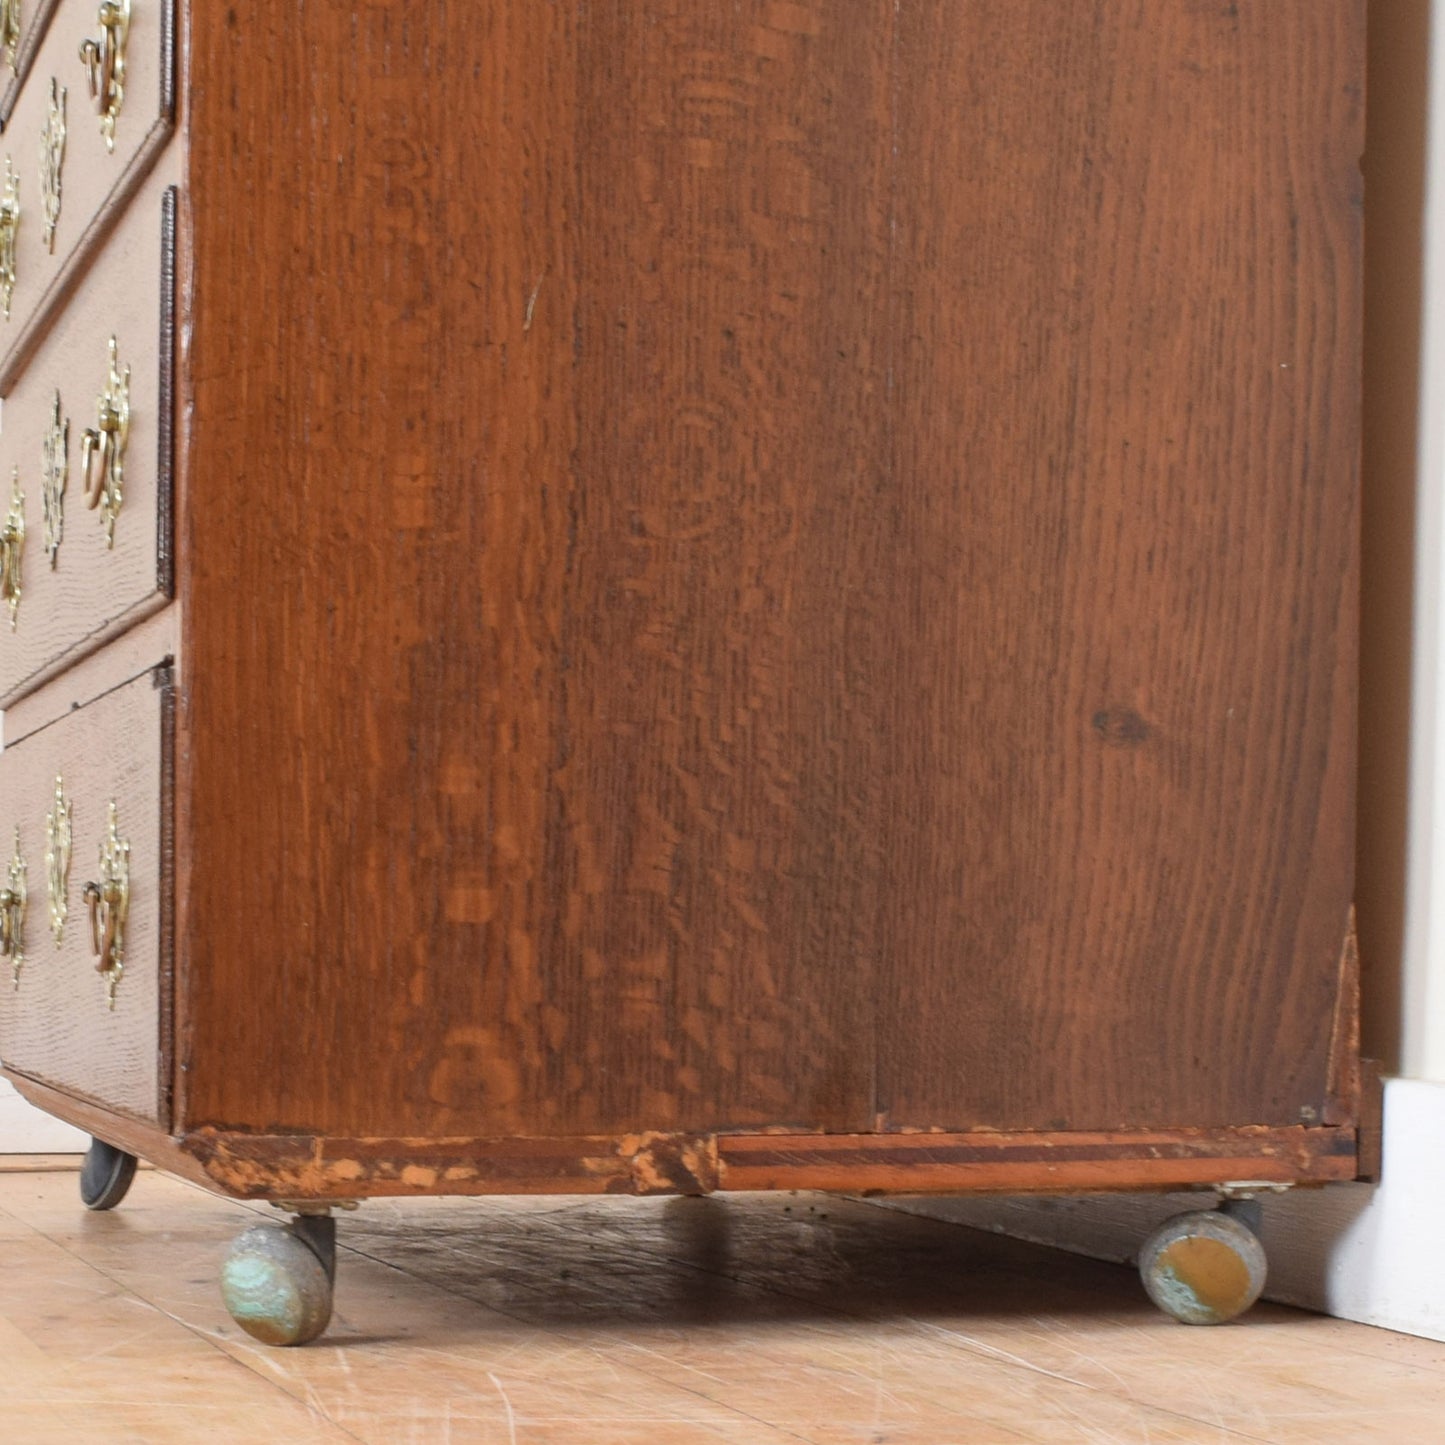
[259,1166]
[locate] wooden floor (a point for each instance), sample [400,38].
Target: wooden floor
[747,1320]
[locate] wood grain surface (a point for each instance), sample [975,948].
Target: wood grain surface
[780,564]
[56,1026]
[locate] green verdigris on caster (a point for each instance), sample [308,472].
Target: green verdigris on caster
[277,1280]
[1206,1267]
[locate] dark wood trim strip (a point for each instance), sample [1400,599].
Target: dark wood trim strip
[166,403]
[166,961]
[1038,1163]
[168,60]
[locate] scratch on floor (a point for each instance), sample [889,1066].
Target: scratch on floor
[674,1363]
[511,1416]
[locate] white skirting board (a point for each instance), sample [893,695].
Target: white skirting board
[1372,1253]
[26,1130]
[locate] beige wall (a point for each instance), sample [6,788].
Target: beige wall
[1401,887]
[1394,168]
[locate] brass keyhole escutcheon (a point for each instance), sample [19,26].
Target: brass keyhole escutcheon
[12,545]
[52,161]
[102,448]
[10,34]
[109,903]
[12,912]
[104,61]
[57,860]
[9,231]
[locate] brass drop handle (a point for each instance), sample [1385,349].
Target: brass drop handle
[104,61]
[109,904]
[12,913]
[107,923]
[12,546]
[102,447]
[12,906]
[9,234]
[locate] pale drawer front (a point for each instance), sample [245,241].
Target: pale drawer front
[23,24]
[62,1021]
[86,574]
[93,177]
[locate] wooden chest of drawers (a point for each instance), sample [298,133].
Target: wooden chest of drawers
[669,597]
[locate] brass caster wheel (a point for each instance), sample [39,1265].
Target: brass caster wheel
[277,1280]
[105,1177]
[1204,1268]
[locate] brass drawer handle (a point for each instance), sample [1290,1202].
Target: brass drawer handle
[109,903]
[102,448]
[104,62]
[10,34]
[12,912]
[12,545]
[9,231]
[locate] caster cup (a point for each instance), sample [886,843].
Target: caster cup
[277,1280]
[1203,1268]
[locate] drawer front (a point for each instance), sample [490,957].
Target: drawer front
[87,574]
[61,1020]
[95,172]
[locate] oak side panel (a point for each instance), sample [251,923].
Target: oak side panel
[718,812]
[377,445]
[521,414]
[1127,361]
[766,564]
